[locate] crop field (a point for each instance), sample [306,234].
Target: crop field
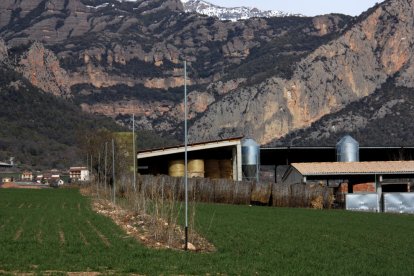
[56,231]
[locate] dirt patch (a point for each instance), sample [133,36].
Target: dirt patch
[6,222]
[83,238]
[62,237]
[139,225]
[39,236]
[18,234]
[21,205]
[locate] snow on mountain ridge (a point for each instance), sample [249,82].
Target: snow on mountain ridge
[232,14]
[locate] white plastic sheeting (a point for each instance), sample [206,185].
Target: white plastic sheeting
[362,202]
[402,203]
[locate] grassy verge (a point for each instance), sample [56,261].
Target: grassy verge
[43,230]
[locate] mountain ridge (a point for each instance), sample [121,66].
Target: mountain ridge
[134,51]
[348,68]
[232,14]
[262,77]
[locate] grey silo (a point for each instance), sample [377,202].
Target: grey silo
[347,150]
[250,159]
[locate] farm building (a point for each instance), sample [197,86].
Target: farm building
[355,177]
[360,185]
[215,159]
[7,179]
[5,165]
[272,163]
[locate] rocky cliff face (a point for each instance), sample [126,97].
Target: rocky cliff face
[118,57]
[41,67]
[334,75]
[380,119]
[262,77]
[52,21]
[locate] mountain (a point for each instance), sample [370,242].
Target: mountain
[262,77]
[233,14]
[117,58]
[43,131]
[38,129]
[380,119]
[378,46]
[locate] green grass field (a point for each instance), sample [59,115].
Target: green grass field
[56,230]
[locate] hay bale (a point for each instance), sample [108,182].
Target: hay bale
[196,165]
[176,168]
[226,169]
[242,192]
[280,195]
[261,193]
[196,168]
[212,168]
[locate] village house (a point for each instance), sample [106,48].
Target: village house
[27,176]
[79,173]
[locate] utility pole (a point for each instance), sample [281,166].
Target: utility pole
[91,167]
[113,167]
[134,154]
[185,155]
[99,173]
[106,155]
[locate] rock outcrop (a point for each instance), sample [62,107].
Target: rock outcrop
[41,67]
[3,51]
[95,51]
[262,77]
[334,75]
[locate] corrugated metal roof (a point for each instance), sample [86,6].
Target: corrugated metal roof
[344,168]
[192,144]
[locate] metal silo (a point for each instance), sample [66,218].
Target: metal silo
[347,150]
[250,159]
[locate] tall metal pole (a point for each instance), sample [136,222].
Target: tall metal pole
[105,169]
[134,154]
[91,167]
[185,155]
[113,167]
[99,174]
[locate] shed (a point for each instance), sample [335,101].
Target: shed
[155,161]
[355,177]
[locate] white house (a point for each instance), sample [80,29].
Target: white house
[79,173]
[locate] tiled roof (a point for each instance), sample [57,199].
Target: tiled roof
[343,168]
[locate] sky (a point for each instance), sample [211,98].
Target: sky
[305,7]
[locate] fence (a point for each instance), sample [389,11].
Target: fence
[301,195]
[238,192]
